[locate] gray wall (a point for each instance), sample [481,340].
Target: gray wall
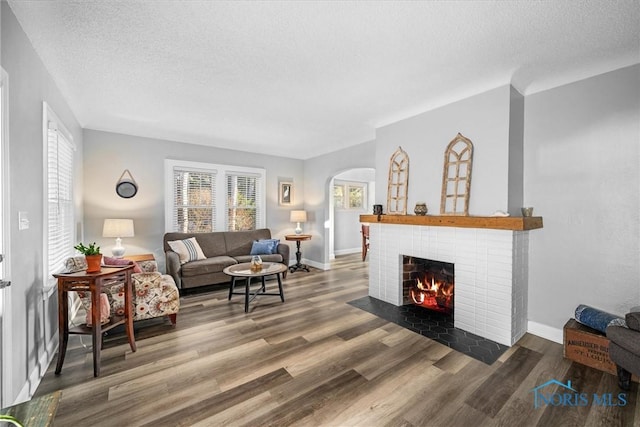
[107,155]
[347,236]
[581,175]
[484,119]
[34,320]
[318,173]
[516,153]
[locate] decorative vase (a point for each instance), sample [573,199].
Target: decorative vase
[420,209]
[93,263]
[256,263]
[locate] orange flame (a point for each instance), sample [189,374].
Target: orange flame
[432,294]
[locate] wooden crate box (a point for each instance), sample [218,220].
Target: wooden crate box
[587,346]
[590,347]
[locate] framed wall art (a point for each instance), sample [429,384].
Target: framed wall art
[285,197]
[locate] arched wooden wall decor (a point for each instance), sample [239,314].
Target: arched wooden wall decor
[398,183]
[456,177]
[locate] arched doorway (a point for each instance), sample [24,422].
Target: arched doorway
[352,193]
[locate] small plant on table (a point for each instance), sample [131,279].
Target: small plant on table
[92,254]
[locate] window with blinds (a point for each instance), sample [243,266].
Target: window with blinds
[242,202]
[204,197]
[60,206]
[194,197]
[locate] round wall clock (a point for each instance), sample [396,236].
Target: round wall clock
[126,187]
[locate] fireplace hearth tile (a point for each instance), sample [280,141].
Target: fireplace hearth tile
[435,326]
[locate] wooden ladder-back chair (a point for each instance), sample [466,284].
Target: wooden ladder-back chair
[365,241]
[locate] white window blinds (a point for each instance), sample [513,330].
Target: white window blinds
[205,197]
[243,202]
[60,221]
[194,201]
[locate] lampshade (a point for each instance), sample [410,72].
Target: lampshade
[117,228]
[298,216]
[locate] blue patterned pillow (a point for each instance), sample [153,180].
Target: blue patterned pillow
[597,319]
[274,244]
[265,247]
[260,248]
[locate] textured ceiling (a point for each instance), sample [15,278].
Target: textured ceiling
[299,79]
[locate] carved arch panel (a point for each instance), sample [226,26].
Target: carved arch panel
[398,183]
[456,177]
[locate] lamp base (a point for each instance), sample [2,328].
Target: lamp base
[118,250]
[298,229]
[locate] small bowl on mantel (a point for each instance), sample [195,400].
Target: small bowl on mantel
[527,212]
[420,209]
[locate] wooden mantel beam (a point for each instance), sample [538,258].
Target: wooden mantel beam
[492,222]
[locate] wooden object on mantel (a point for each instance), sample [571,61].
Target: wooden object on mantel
[398,185]
[514,223]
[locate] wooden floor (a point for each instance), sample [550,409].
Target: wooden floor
[315,360]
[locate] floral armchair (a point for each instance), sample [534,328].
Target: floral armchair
[154,294]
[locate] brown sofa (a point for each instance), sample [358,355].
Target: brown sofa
[222,249]
[624,348]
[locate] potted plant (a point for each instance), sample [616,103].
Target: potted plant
[92,254]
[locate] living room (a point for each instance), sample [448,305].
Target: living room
[576,136]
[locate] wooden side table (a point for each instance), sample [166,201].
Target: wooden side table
[93,283]
[298,238]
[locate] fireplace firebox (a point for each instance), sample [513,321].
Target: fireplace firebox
[428,283]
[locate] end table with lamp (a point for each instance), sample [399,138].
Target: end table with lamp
[298,238]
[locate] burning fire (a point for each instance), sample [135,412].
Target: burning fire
[435,295]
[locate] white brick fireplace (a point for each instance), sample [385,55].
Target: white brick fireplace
[490,272]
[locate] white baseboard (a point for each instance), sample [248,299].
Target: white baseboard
[547,332]
[348,251]
[36,375]
[310,263]
[317,265]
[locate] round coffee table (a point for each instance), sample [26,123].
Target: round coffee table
[243,271]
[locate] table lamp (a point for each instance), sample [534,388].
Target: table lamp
[298,217]
[118,228]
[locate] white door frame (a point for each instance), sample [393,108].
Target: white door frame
[6,362]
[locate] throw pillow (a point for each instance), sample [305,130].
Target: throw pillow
[105,310]
[136,267]
[187,249]
[274,244]
[260,247]
[107,260]
[76,263]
